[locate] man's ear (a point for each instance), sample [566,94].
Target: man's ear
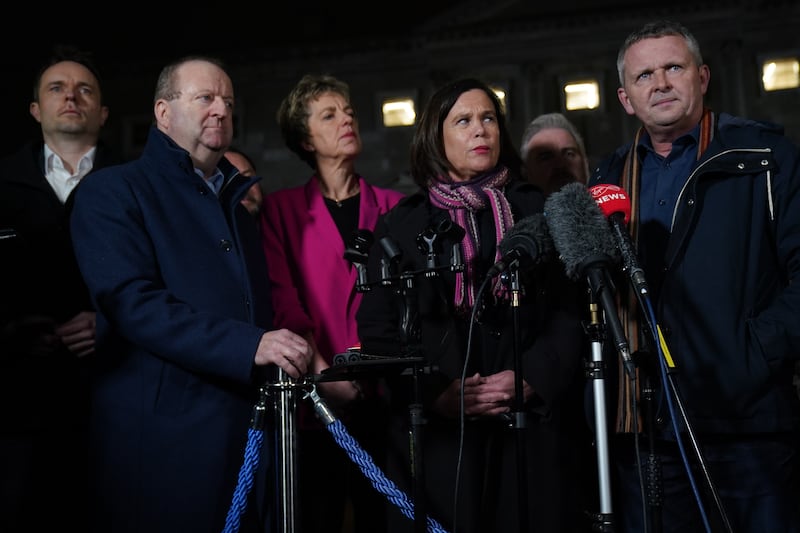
[705,77]
[161,112]
[625,101]
[34,111]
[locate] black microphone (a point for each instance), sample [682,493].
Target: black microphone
[527,240]
[391,256]
[428,244]
[447,228]
[357,253]
[615,204]
[582,238]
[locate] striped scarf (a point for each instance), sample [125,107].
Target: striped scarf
[627,303]
[462,200]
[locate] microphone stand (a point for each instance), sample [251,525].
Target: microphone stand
[285,451]
[410,341]
[519,420]
[604,520]
[594,268]
[410,337]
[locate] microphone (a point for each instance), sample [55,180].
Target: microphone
[448,228]
[358,253]
[429,242]
[616,206]
[578,229]
[391,256]
[581,237]
[528,239]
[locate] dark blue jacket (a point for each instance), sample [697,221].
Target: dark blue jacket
[729,304]
[179,280]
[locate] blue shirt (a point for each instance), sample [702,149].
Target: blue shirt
[664,177]
[661,182]
[215,182]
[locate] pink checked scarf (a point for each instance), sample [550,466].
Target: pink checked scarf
[463,200]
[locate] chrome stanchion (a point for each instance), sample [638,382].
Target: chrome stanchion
[285,404]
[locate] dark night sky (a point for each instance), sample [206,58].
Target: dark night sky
[150,35]
[157,32]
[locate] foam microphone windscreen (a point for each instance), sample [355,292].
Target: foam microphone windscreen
[579,230]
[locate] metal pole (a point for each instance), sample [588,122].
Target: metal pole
[519,422]
[604,520]
[286,452]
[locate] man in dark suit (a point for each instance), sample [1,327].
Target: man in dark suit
[47,325]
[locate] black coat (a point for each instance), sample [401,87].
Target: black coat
[44,407]
[549,337]
[38,276]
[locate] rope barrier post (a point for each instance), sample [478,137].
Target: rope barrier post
[286,452]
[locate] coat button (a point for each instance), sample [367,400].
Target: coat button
[226,245]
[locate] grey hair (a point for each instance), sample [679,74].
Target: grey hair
[550,121]
[654,30]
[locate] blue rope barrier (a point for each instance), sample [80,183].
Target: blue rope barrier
[379,481]
[368,467]
[255,438]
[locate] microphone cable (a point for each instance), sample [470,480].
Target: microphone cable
[461,402]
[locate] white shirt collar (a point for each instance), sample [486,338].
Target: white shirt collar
[59,178]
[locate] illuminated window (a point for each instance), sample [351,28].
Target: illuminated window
[582,94]
[398,112]
[779,74]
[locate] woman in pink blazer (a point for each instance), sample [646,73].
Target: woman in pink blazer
[306,230]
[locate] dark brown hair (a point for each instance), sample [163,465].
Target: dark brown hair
[66,52]
[428,158]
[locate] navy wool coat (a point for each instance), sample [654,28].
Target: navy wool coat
[179,281]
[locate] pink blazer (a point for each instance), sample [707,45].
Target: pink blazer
[313,286]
